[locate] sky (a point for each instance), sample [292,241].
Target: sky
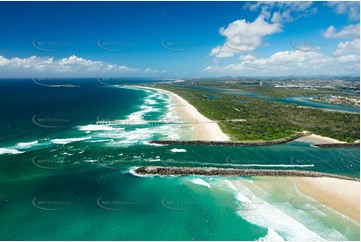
[179,39]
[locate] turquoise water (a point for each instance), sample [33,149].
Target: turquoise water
[65,178]
[308,102]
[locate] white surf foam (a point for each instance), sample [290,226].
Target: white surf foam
[147,143]
[268,216]
[99,141]
[95,127]
[230,185]
[10,151]
[135,135]
[90,161]
[132,171]
[153,159]
[175,150]
[69,140]
[201,182]
[271,236]
[26,145]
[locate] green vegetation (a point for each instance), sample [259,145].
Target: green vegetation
[267,89]
[268,120]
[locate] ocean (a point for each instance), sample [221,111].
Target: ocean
[63,177]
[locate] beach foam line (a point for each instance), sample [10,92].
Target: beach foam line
[10,151]
[309,218]
[268,216]
[69,140]
[271,236]
[282,221]
[312,212]
[325,207]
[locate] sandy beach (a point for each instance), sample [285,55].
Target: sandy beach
[340,195]
[318,139]
[204,128]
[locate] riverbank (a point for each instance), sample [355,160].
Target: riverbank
[340,195]
[203,128]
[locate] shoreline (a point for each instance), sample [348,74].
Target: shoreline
[204,129]
[340,195]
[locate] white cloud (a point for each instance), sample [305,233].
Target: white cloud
[242,36]
[349,58]
[282,11]
[352,9]
[72,65]
[247,57]
[289,63]
[347,47]
[350,31]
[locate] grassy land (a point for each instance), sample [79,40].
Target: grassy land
[268,120]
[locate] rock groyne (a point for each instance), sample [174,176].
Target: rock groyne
[212,171]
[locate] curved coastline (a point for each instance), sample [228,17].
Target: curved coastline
[205,129]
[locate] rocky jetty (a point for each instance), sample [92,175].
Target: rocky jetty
[212,171]
[227,143]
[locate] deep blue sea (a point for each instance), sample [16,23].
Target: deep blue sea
[63,177]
